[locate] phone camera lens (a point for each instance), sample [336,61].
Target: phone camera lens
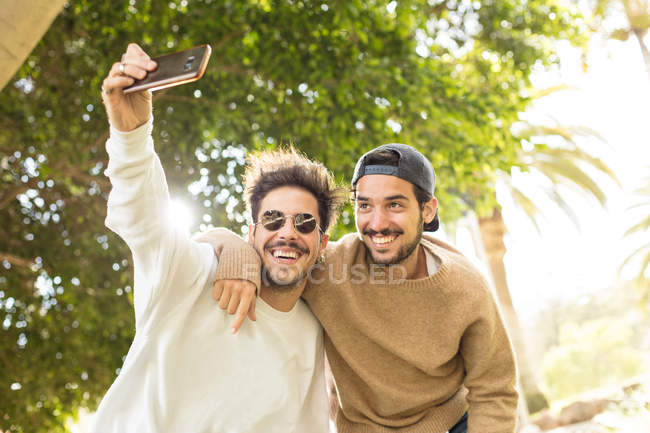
[189,62]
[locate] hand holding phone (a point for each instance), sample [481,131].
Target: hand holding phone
[174,69]
[127,104]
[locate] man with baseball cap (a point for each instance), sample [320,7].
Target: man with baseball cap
[413,334]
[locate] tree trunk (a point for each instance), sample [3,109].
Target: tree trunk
[644,50]
[22,25]
[492,230]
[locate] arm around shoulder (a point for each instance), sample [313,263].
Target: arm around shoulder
[238,260]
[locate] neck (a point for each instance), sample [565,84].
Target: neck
[415,264]
[282,298]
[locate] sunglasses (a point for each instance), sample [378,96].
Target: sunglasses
[273,220]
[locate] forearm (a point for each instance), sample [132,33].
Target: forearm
[238,260]
[138,204]
[139,191]
[491,376]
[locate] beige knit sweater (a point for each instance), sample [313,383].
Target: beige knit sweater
[407,355]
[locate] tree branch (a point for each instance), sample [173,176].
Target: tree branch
[17,261]
[65,169]
[102,138]
[639,34]
[12,193]
[226,38]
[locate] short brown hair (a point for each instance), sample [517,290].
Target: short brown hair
[268,170]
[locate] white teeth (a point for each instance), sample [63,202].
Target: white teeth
[383,240]
[285,254]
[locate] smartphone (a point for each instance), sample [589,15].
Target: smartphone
[174,69]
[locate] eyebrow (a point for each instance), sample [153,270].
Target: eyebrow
[389,198]
[396,197]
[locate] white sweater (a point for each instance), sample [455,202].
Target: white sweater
[185,372]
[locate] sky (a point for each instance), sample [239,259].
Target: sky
[612,97]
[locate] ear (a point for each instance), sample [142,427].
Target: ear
[429,210]
[323,242]
[251,233]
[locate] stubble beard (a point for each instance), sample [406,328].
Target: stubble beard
[276,284]
[274,279]
[404,252]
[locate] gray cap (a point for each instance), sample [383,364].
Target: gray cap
[412,167]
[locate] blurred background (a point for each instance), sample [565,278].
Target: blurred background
[534,113]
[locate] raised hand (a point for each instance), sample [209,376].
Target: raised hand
[128,111]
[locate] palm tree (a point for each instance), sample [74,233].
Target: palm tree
[641,255]
[22,24]
[637,13]
[562,164]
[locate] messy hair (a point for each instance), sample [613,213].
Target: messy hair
[268,170]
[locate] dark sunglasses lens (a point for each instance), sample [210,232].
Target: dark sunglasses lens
[305,223]
[272,220]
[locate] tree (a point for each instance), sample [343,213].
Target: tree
[335,78]
[22,26]
[563,164]
[637,15]
[591,355]
[641,256]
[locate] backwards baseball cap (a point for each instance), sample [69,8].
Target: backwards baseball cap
[411,166]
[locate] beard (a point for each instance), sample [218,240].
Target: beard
[404,252]
[280,280]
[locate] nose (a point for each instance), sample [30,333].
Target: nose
[288,230]
[377,220]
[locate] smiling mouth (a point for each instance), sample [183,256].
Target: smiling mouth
[382,242]
[285,256]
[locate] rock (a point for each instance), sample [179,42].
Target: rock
[546,421]
[529,428]
[581,411]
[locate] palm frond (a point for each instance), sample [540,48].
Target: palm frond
[638,205]
[565,172]
[641,226]
[562,204]
[540,93]
[527,131]
[640,277]
[601,7]
[526,205]
[633,254]
[579,156]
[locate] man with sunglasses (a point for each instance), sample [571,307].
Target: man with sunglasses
[413,334]
[185,370]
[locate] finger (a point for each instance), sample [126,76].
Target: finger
[251,310]
[240,315]
[127,69]
[217,289]
[111,84]
[135,71]
[134,50]
[139,64]
[235,297]
[136,56]
[225,297]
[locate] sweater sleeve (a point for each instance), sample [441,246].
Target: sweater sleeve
[164,256]
[490,368]
[238,260]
